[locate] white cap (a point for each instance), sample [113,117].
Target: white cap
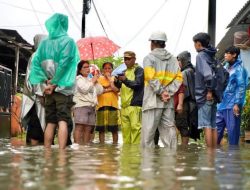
[159,36]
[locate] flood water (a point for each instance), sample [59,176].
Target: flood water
[121,166]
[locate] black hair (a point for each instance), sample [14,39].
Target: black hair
[107,63]
[158,43]
[233,50]
[203,38]
[79,66]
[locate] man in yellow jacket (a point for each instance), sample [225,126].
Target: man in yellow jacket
[132,85]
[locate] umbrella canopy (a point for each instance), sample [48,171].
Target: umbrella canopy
[91,48]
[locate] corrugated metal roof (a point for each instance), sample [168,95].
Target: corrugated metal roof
[9,39]
[242,17]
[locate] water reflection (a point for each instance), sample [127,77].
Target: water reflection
[123,167]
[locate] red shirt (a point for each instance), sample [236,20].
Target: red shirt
[176,99]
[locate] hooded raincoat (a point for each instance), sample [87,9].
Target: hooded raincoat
[30,92]
[161,73]
[56,58]
[203,75]
[236,89]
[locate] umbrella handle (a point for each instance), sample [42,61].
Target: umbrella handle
[92,50]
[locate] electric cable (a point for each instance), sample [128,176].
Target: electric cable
[183,24]
[23,8]
[31,25]
[52,9]
[99,18]
[145,25]
[70,14]
[36,15]
[106,20]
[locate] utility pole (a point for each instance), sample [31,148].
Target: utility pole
[212,20]
[85,10]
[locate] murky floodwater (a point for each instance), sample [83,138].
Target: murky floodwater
[123,167]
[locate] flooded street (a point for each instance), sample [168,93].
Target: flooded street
[123,167]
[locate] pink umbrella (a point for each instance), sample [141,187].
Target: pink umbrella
[91,48]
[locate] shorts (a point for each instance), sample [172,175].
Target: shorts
[207,115]
[85,115]
[181,122]
[58,108]
[107,119]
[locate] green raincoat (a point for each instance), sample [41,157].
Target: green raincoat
[56,58]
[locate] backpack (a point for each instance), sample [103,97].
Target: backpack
[219,81]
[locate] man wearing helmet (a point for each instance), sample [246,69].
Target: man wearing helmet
[162,78]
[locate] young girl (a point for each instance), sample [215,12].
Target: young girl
[107,109]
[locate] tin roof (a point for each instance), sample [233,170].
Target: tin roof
[242,17]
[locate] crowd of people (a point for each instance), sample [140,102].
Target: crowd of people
[164,97]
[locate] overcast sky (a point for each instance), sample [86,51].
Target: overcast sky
[128,23]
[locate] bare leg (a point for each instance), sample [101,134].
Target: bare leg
[49,134]
[101,137]
[208,137]
[34,142]
[78,133]
[86,134]
[115,137]
[184,140]
[92,136]
[214,137]
[62,134]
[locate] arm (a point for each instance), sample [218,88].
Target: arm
[139,79]
[66,71]
[37,74]
[84,86]
[241,88]
[205,70]
[117,83]
[149,76]
[180,94]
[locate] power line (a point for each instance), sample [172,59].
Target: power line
[182,27]
[149,20]
[99,18]
[74,11]
[70,14]
[31,25]
[50,6]
[106,20]
[23,8]
[36,16]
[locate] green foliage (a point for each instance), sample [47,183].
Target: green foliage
[115,60]
[245,116]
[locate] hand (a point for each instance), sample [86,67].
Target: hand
[165,96]
[236,110]
[95,78]
[107,75]
[179,108]
[122,78]
[109,89]
[49,89]
[209,96]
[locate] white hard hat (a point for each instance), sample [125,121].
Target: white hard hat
[159,36]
